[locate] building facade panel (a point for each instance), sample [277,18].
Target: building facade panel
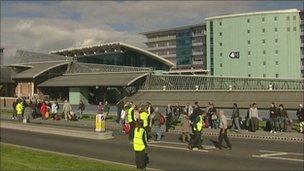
[267,44]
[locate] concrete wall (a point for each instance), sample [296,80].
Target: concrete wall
[291,99]
[78,93]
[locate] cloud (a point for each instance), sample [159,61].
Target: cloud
[51,25]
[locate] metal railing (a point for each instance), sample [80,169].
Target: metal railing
[194,82]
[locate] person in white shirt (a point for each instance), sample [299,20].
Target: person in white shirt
[223,131]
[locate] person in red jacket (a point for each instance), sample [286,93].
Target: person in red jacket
[43,110]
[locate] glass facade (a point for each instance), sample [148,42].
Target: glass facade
[125,58]
[184,48]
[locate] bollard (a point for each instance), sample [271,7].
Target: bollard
[100,123]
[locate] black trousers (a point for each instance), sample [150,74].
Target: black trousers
[225,137]
[196,141]
[140,159]
[131,134]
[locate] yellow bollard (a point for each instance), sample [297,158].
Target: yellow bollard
[100,123]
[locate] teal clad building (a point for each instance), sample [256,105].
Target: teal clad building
[259,44]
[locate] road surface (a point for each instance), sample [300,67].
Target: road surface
[171,154]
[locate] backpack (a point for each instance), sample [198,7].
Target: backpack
[162,119]
[126,128]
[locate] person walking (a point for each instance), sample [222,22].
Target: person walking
[19,110]
[212,116]
[235,117]
[144,116]
[106,109]
[283,117]
[140,146]
[186,129]
[300,115]
[100,108]
[120,110]
[43,110]
[131,120]
[273,118]
[81,108]
[157,124]
[223,131]
[14,109]
[254,117]
[188,109]
[67,109]
[197,128]
[54,109]
[168,117]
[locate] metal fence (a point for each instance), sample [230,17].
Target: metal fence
[194,82]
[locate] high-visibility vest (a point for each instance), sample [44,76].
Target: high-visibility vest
[144,116]
[19,108]
[130,117]
[138,143]
[199,125]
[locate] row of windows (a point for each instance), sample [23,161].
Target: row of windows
[264,75]
[263,41]
[264,52]
[249,63]
[275,18]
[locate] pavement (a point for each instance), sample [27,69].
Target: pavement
[170,154]
[89,126]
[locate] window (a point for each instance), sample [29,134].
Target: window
[264,75]
[264,52]
[221,44]
[277,62]
[248,42]
[276,51]
[263,30]
[276,29]
[264,41]
[263,19]
[248,20]
[249,75]
[249,63]
[294,29]
[294,17]
[249,53]
[264,62]
[221,65]
[277,75]
[288,28]
[221,54]
[287,18]
[220,33]
[220,23]
[276,40]
[248,31]
[275,18]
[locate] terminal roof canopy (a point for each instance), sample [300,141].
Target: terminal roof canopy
[111,48]
[36,68]
[94,79]
[23,56]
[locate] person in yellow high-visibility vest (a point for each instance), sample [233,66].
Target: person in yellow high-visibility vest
[131,120]
[144,116]
[140,145]
[19,109]
[197,128]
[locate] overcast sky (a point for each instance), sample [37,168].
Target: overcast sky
[44,26]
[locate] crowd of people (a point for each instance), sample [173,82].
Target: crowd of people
[139,120]
[35,108]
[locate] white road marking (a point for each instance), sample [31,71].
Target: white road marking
[176,148]
[276,155]
[291,153]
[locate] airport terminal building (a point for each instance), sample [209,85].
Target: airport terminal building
[252,57]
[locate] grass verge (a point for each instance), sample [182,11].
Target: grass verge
[19,158]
